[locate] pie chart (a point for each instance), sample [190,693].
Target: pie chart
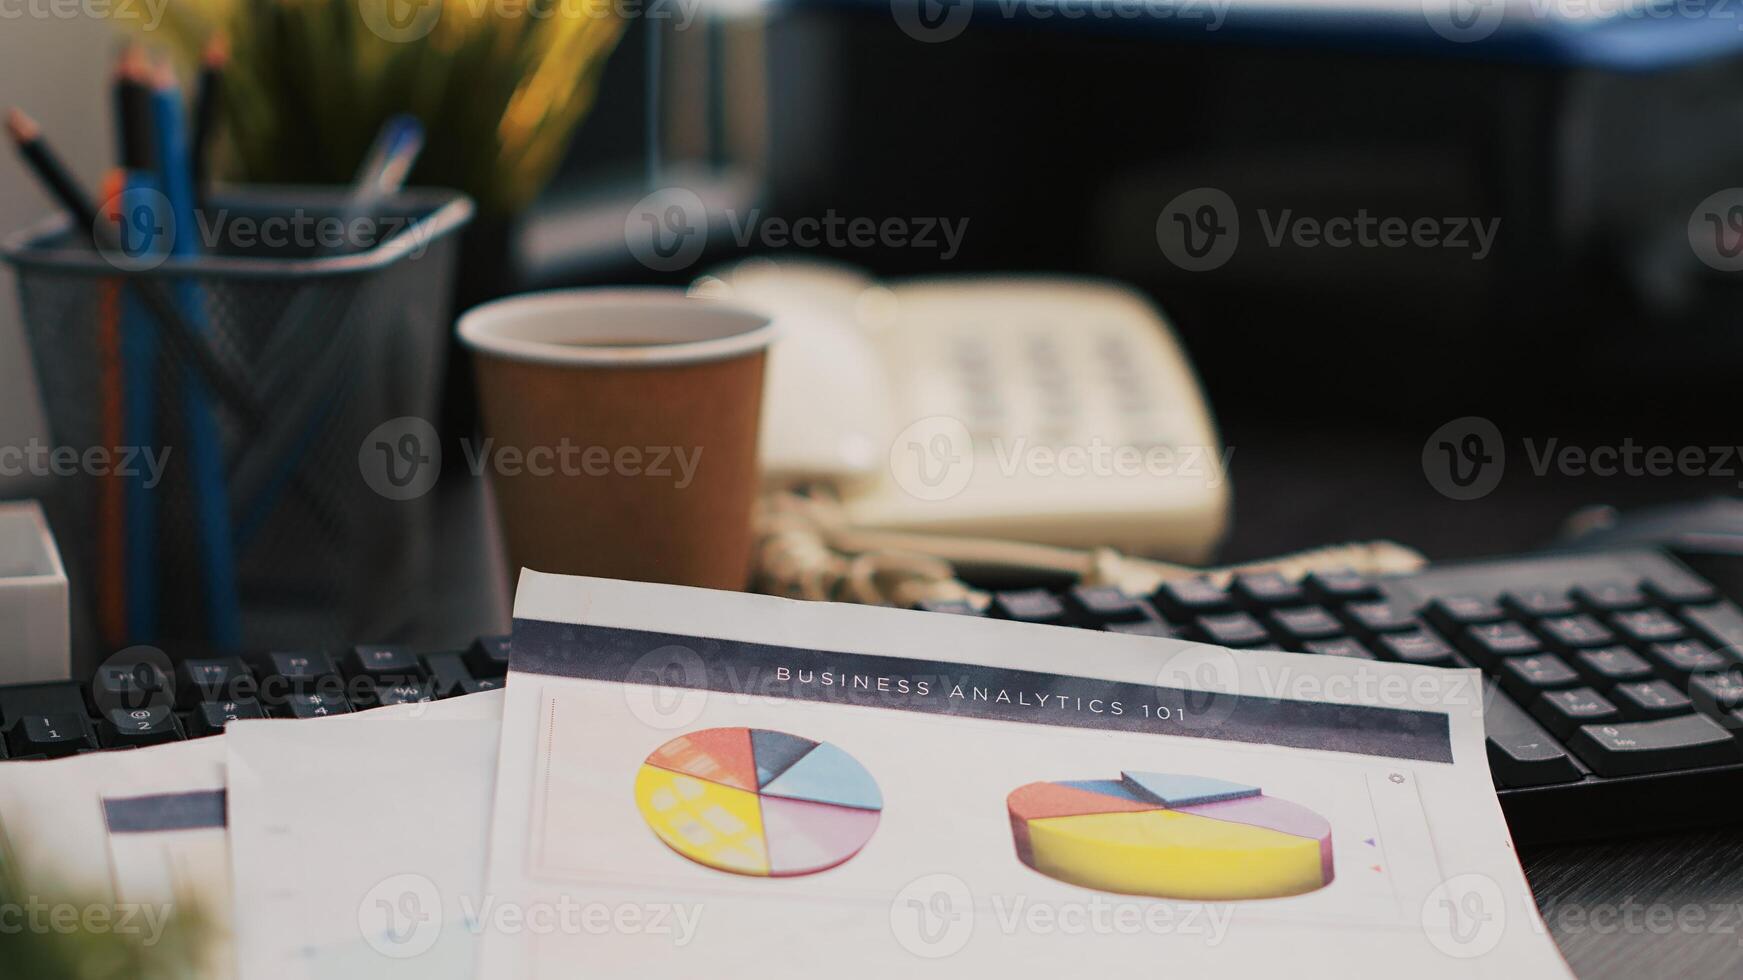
[758,802]
[1171,836]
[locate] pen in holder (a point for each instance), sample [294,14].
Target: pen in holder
[243,382]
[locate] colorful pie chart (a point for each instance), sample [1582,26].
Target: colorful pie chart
[1163,835]
[758,802]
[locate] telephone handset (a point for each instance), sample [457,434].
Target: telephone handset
[1055,410]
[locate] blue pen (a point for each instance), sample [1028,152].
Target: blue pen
[216,543]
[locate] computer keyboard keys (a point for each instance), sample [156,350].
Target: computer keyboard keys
[488,655]
[1717,693]
[1521,753]
[52,735]
[383,664]
[1605,597]
[1340,585]
[1631,748]
[213,679]
[1183,599]
[1341,647]
[1685,657]
[1647,626]
[1720,624]
[1452,612]
[123,728]
[382,695]
[1651,699]
[1299,624]
[315,704]
[210,717]
[1576,632]
[133,683]
[1260,589]
[1233,630]
[297,671]
[1538,603]
[1490,643]
[1611,665]
[1563,711]
[1029,606]
[1680,590]
[1097,605]
[1378,617]
[1417,646]
[1526,677]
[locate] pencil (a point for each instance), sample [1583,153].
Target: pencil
[207,101]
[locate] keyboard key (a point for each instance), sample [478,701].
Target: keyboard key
[213,679]
[1490,643]
[1718,693]
[1096,605]
[1378,617]
[1340,585]
[1233,630]
[955,607]
[1720,624]
[1575,632]
[382,695]
[1029,606]
[1647,626]
[1538,604]
[50,736]
[1299,624]
[1563,711]
[1685,657]
[123,728]
[1341,647]
[1526,677]
[210,717]
[1606,597]
[488,655]
[1452,612]
[449,676]
[383,664]
[315,704]
[298,671]
[1651,699]
[1521,753]
[1631,748]
[1143,627]
[1263,589]
[1182,599]
[1417,646]
[127,685]
[1680,590]
[1611,665]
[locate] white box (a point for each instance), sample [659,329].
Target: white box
[35,628]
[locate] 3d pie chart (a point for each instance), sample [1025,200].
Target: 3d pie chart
[758,802]
[1171,836]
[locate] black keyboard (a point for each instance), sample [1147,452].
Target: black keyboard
[1615,679]
[135,701]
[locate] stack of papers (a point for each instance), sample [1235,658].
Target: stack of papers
[678,782]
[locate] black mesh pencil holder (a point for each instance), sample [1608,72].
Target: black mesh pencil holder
[236,422]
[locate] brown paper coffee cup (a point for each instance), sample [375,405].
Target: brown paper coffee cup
[621,431]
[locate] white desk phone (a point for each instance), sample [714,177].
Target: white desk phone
[1052,410]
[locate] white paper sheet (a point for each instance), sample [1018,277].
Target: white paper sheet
[948,716]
